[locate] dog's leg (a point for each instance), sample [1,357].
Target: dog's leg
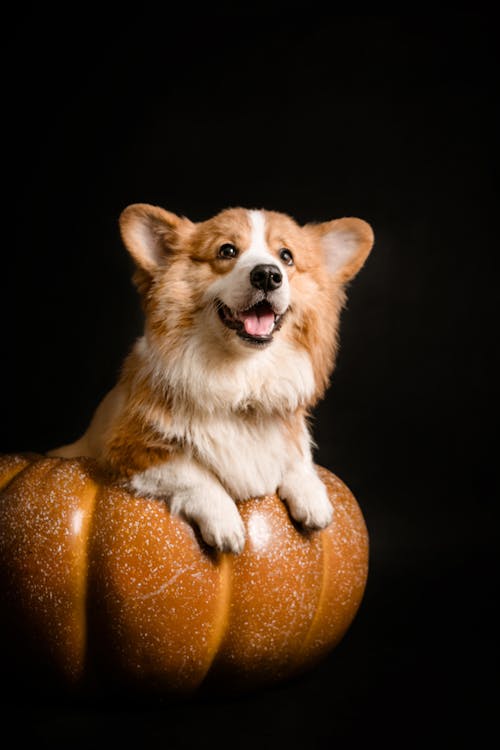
[306,496]
[193,492]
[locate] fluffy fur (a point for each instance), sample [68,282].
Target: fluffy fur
[241,318]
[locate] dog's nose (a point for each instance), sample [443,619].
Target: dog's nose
[266,277]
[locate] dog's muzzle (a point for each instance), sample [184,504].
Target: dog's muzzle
[261,314]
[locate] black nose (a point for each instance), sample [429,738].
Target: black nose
[266,277]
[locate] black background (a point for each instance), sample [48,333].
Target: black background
[320,113]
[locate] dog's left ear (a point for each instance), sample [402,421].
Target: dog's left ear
[151,234]
[346,244]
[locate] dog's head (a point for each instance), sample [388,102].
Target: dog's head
[245,281]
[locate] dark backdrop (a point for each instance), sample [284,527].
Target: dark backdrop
[320,114]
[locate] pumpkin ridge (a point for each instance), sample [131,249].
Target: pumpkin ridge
[63,477]
[326,557]
[222,615]
[325,580]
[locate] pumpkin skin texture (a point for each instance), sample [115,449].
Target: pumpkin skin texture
[99,581]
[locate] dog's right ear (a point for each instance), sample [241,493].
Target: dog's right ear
[152,234]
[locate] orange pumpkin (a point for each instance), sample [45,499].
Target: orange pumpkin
[97,579]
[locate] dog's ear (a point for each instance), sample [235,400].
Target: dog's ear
[346,244]
[152,234]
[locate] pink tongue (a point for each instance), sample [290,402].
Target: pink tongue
[258,325]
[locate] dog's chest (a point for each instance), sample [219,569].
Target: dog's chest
[248,457]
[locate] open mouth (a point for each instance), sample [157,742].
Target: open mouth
[255,325]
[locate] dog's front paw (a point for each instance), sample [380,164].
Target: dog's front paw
[225,532]
[308,501]
[215,514]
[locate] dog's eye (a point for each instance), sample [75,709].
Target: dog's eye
[227,251]
[286,256]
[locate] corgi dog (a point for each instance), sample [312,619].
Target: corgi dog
[241,318]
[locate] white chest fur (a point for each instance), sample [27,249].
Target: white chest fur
[248,457]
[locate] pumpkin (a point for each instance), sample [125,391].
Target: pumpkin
[100,581]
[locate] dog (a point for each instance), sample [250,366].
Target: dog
[212,404]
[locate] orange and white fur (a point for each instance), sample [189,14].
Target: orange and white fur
[241,318]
